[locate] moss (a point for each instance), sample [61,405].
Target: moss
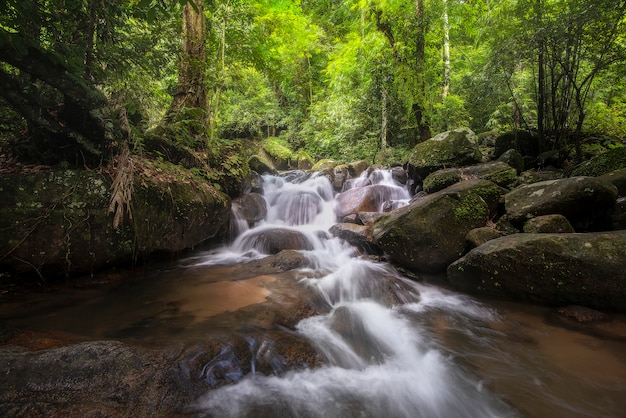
[441,179]
[277,148]
[604,163]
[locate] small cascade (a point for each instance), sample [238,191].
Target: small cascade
[380,360]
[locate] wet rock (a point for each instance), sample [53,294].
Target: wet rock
[272,241]
[584,201]
[456,148]
[356,168]
[556,269]
[399,174]
[365,199]
[340,176]
[582,314]
[251,206]
[357,236]
[429,233]
[548,224]
[283,261]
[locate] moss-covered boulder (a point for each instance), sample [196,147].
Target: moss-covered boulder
[356,168]
[262,163]
[584,201]
[456,148]
[429,234]
[57,222]
[556,269]
[478,236]
[498,172]
[514,159]
[604,163]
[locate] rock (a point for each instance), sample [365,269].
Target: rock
[478,236]
[365,218]
[618,179]
[498,172]
[618,216]
[322,165]
[556,269]
[513,158]
[553,158]
[548,224]
[365,199]
[429,233]
[456,148]
[583,200]
[357,167]
[582,314]
[604,163]
[262,163]
[253,183]
[441,179]
[57,222]
[274,240]
[357,236]
[521,141]
[251,206]
[399,174]
[340,176]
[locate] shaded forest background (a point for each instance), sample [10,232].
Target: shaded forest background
[82,80]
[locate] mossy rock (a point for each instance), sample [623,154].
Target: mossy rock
[548,224]
[57,222]
[429,234]
[325,164]
[554,269]
[456,148]
[279,151]
[522,141]
[441,179]
[618,179]
[604,163]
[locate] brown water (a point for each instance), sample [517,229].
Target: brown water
[517,352]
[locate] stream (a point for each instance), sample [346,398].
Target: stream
[390,346]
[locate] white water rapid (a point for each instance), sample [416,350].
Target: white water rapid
[384,358]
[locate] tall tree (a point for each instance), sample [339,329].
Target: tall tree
[191,90]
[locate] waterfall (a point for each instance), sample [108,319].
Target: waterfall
[380,359]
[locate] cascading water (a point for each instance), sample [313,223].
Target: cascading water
[381,360]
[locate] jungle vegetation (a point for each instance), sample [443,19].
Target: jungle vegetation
[346,79]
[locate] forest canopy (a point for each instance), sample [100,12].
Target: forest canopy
[343,79]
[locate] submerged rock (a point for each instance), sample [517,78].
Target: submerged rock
[556,269]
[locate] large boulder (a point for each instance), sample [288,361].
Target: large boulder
[585,201]
[456,148]
[556,269]
[496,171]
[548,223]
[429,234]
[366,199]
[57,222]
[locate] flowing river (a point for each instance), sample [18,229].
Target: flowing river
[391,347]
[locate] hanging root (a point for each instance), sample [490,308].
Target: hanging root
[122,186]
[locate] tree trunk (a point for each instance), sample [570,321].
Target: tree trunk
[446,52]
[191,90]
[383,126]
[541,78]
[420,43]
